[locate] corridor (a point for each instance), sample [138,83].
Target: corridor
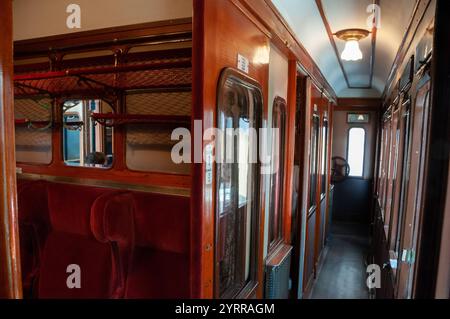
[342,275]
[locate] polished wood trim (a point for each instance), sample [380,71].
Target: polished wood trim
[115,174]
[437,165]
[290,149]
[97,39]
[219,23]
[10,272]
[305,186]
[358,104]
[298,240]
[282,33]
[183,192]
[202,239]
[419,12]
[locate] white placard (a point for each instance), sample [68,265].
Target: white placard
[243,63]
[209,164]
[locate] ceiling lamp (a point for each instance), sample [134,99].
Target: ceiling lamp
[352,52]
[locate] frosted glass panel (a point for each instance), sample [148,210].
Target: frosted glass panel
[355,156]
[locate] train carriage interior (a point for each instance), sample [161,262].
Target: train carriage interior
[224,149]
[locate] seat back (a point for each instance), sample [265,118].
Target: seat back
[34,226]
[160,266]
[77,252]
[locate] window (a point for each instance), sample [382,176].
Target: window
[277,178]
[355,155]
[149,146]
[314,160]
[86,143]
[323,187]
[237,202]
[33,129]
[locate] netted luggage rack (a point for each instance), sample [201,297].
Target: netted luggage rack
[106,80]
[111,120]
[170,73]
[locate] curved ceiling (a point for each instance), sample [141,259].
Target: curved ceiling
[315,21]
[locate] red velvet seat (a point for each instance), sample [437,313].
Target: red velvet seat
[132,245]
[89,231]
[160,267]
[33,230]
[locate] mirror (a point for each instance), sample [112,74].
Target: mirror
[85,142]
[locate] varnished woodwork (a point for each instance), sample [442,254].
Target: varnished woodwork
[358,104]
[302,99]
[310,95]
[97,39]
[437,166]
[419,11]
[10,273]
[219,24]
[290,149]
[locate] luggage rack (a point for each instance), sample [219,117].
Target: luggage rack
[112,120]
[37,125]
[101,80]
[107,80]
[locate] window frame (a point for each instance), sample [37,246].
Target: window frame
[364,150]
[280,184]
[247,286]
[325,156]
[314,167]
[83,100]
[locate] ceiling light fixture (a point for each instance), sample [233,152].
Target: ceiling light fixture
[352,52]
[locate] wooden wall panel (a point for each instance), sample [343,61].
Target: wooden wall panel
[222,30]
[10,277]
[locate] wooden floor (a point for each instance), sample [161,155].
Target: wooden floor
[343,274]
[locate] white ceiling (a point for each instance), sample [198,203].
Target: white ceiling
[304,18]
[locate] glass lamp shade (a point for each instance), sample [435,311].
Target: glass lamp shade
[352,52]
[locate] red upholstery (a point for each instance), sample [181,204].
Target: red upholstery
[158,275]
[132,245]
[33,230]
[112,222]
[160,267]
[162,222]
[72,241]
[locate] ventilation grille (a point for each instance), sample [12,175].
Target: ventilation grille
[277,276]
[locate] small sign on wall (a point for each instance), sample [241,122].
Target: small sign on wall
[243,63]
[209,164]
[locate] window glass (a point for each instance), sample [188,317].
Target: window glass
[324,157]
[239,109]
[277,178]
[149,145]
[314,161]
[85,142]
[355,156]
[33,129]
